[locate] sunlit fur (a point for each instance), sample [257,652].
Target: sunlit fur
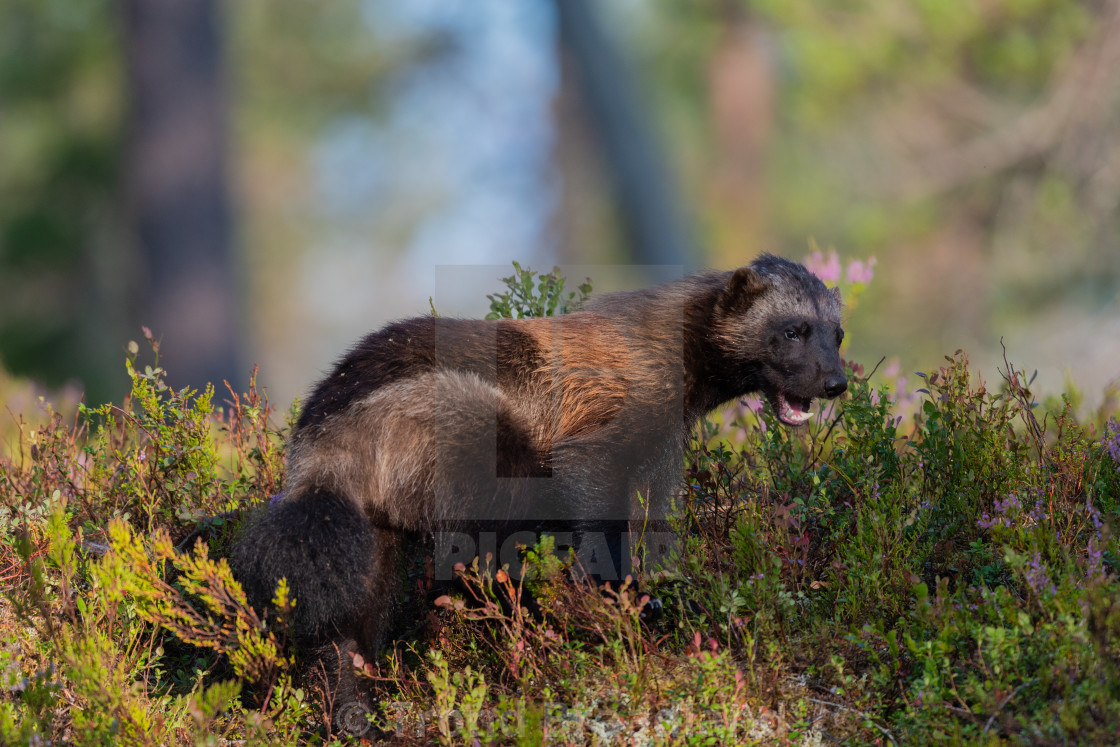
[434,423]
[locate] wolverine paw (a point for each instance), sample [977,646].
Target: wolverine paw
[652,609]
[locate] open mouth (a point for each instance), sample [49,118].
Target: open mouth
[792,410]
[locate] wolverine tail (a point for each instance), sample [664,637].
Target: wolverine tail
[327,550]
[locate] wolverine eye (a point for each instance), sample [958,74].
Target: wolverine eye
[792,335]
[839,336]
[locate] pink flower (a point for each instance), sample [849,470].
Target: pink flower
[754,404]
[860,271]
[827,268]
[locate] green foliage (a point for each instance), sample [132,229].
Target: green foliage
[463,693]
[991,44]
[1009,522]
[531,295]
[112,635]
[60,138]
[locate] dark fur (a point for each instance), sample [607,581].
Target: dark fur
[433,424]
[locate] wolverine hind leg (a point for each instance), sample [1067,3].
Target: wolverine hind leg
[343,572]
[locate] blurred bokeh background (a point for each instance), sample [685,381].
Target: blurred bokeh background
[262,181]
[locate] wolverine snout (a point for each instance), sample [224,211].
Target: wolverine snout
[834,386]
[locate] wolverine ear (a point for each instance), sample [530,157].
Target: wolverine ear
[835,291]
[742,288]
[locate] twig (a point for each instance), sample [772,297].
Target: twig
[1023,396]
[1005,701]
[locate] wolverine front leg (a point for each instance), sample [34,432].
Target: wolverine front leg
[596,523]
[602,550]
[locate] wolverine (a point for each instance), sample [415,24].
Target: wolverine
[478,430]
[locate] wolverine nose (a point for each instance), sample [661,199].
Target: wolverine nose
[834,386]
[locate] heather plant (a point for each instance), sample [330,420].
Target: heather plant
[528,294]
[930,565]
[108,625]
[852,279]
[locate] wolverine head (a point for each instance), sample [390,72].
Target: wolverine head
[785,328]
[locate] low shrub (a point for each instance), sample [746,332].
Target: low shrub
[944,573]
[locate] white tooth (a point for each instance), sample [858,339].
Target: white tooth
[796,416]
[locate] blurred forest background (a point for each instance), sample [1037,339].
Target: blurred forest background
[263,181]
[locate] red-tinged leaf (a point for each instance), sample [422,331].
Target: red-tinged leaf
[501,576]
[359,660]
[444,601]
[459,568]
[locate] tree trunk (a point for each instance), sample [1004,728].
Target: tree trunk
[177,187]
[647,203]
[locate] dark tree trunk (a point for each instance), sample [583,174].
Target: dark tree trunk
[648,205]
[177,187]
